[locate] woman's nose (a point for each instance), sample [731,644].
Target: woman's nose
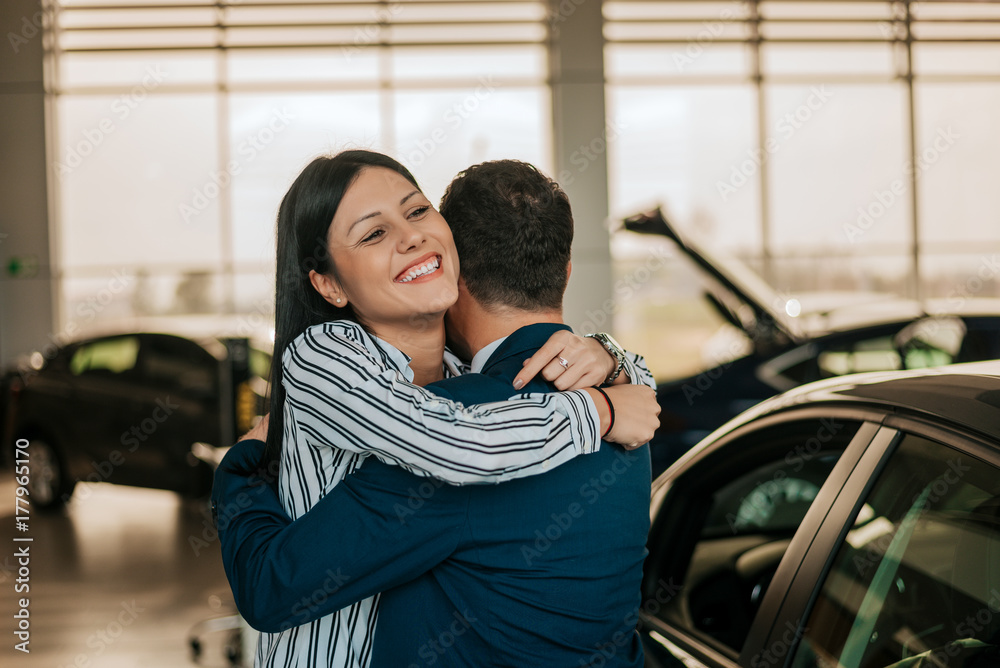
[411,236]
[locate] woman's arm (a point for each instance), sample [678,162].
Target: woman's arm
[341,396]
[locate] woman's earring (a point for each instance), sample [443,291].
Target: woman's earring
[338,300]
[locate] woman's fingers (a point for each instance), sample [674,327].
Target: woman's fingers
[568,361]
[544,358]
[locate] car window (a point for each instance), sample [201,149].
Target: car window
[982,340]
[737,511]
[931,342]
[878,354]
[105,357]
[179,364]
[917,580]
[810,362]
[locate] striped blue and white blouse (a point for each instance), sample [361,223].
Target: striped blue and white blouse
[349,395]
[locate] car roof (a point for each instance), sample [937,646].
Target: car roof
[214,344]
[896,310]
[965,395]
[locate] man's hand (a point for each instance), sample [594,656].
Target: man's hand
[636,414]
[570,362]
[259,431]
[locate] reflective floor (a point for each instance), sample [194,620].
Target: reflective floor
[120,578]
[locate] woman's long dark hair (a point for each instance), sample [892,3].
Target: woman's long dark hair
[304,220]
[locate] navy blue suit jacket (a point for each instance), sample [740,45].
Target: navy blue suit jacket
[536,571]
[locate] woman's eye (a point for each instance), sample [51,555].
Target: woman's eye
[419,211]
[373,235]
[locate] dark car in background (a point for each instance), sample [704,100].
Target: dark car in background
[787,344]
[852,522]
[143,409]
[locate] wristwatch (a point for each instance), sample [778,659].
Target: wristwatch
[614,349]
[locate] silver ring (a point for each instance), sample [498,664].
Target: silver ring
[564,363]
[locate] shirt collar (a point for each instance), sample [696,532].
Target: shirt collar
[396,358]
[454,365]
[483,356]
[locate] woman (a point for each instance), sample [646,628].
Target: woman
[366,270]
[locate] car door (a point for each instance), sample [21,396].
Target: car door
[178,387]
[905,570]
[731,522]
[101,374]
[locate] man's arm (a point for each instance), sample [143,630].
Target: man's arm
[372,531]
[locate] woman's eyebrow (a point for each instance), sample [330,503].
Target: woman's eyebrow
[379,213]
[363,218]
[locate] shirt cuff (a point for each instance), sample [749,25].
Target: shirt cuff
[638,373]
[584,421]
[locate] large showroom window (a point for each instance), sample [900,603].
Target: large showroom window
[178,125]
[840,149]
[844,151]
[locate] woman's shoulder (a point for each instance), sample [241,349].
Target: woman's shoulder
[336,338]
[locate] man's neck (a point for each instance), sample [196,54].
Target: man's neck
[499,322]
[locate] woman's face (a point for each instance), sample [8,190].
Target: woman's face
[393,252]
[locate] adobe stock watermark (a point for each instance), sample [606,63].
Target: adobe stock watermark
[986,272]
[31,27]
[605,652]
[559,14]
[883,200]
[303,608]
[624,289]
[711,31]
[786,127]
[873,551]
[586,154]
[247,150]
[100,640]
[417,498]
[451,120]
[760,502]
[121,109]
[764,327]
[371,33]
[86,311]
[434,649]
[130,440]
[260,482]
[590,492]
[775,653]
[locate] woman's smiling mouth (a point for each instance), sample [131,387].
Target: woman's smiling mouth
[420,268]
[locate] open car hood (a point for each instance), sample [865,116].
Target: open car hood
[753,305]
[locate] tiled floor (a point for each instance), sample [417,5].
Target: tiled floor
[117,579]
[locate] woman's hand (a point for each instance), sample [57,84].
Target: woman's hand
[636,414]
[259,431]
[568,361]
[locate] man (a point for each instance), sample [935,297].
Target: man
[540,571]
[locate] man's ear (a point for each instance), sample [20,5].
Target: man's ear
[569,270]
[327,288]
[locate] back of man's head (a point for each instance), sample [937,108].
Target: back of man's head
[513,229]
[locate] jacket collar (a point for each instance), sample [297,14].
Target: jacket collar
[523,342]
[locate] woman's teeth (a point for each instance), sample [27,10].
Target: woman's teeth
[421,270]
